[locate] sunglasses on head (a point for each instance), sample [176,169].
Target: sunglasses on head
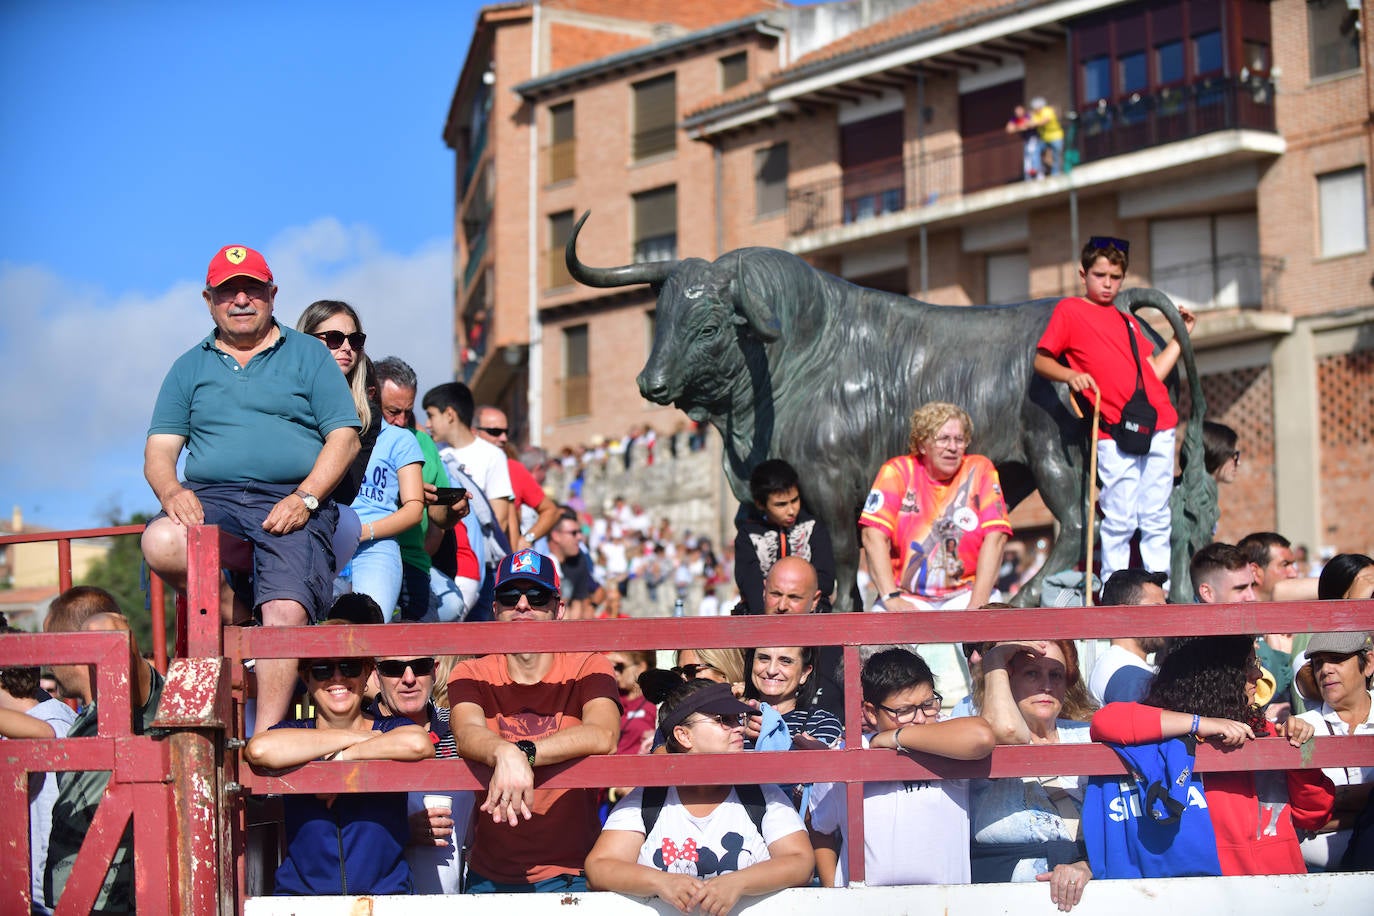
[497,431]
[538,596]
[396,667]
[347,667]
[335,339]
[1107,241]
[691,671]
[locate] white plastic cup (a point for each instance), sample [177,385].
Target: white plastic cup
[439,801]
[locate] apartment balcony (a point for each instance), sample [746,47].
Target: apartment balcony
[475,152]
[1243,282]
[1105,144]
[477,251]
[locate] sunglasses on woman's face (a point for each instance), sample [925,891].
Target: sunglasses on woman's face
[335,339]
[396,667]
[347,667]
[691,671]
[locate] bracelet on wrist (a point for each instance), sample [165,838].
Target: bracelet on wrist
[897,739]
[1197,722]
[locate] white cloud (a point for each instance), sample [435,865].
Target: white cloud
[82,365]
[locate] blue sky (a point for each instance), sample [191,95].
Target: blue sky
[136,138]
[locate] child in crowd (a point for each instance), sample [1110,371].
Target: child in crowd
[777,526]
[1104,348]
[915,832]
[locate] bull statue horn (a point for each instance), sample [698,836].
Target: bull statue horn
[654,272]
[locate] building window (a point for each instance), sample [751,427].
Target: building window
[1169,62]
[1208,262]
[734,70]
[656,225]
[770,180]
[560,229]
[1134,76]
[1207,56]
[562,143]
[655,115]
[1333,37]
[1344,212]
[1097,79]
[577,401]
[1008,277]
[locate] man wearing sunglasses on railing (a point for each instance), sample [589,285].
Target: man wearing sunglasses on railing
[269,428]
[519,711]
[438,820]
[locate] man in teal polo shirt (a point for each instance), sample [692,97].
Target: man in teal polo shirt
[269,428]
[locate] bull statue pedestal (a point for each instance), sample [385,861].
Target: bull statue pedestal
[789,362]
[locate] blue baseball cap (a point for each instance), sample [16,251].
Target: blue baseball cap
[529,566]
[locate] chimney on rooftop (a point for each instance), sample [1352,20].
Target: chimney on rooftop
[17,520]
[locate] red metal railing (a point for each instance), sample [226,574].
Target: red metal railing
[187,785]
[63,540]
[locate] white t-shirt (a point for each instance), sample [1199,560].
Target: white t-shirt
[721,842]
[914,832]
[1112,661]
[60,717]
[1328,722]
[485,464]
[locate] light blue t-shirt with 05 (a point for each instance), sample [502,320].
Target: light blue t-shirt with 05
[380,491]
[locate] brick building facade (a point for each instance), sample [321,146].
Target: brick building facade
[1230,140]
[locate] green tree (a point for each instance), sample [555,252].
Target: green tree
[121,573]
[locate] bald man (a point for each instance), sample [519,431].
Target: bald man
[791,587]
[88,610]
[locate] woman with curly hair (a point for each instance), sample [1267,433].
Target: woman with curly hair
[1027,829]
[1206,687]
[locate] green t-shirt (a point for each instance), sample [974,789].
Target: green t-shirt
[412,540]
[78,795]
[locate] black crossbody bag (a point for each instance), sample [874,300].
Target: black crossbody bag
[1138,416]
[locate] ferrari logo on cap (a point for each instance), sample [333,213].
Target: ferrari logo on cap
[235,255]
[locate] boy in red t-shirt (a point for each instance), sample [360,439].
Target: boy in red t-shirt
[1090,336]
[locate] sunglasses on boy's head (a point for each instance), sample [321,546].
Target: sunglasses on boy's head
[1107,241]
[538,596]
[335,339]
[323,671]
[396,667]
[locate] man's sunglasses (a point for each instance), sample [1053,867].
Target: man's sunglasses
[497,431]
[347,667]
[691,671]
[1106,241]
[396,667]
[537,595]
[335,339]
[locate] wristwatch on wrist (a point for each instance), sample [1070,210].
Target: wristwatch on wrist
[890,595]
[527,748]
[311,502]
[528,536]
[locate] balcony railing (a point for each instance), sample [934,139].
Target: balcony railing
[1095,133]
[476,148]
[1243,281]
[476,252]
[656,248]
[654,142]
[556,271]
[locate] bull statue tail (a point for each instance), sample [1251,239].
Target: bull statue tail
[652,272]
[1194,501]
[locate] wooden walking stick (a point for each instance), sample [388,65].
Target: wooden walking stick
[1090,510]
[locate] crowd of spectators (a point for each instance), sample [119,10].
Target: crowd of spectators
[321,524]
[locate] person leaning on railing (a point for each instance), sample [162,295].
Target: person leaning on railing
[701,846]
[1028,829]
[353,842]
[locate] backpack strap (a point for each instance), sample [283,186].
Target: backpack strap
[751,796]
[651,806]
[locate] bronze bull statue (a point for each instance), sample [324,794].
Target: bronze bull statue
[789,362]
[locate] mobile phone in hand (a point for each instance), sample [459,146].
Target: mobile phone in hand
[447,496]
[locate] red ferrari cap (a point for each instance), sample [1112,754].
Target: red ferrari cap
[237,261]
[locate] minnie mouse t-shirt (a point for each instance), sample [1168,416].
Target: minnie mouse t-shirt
[718,843]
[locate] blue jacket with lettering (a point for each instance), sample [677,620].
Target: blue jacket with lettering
[1152,822]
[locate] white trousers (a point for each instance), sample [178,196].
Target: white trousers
[1135,494]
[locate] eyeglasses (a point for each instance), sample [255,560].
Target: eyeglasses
[396,667]
[347,667]
[497,431]
[951,441]
[538,596]
[1107,241]
[724,719]
[930,709]
[228,290]
[335,339]
[691,671]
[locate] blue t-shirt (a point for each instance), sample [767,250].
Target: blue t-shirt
[354,845]
[264,422]
[380,491]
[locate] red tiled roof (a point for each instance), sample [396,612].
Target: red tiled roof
[728,97]
[689,14]
[573,45]
[34,594]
